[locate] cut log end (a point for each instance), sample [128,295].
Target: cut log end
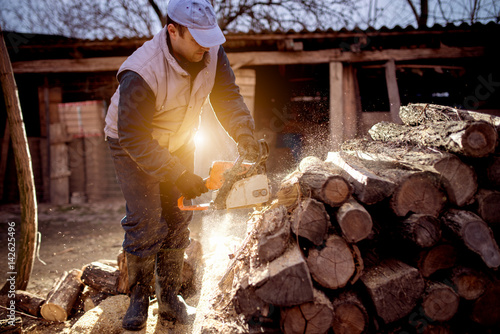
[479,140]
[333,266]
[440,302]
[349,319]
[53,312]
[418,194]
[478,237]
[336,191]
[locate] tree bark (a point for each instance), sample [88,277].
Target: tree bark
[333,266]
[394,288]
[459,179]
[309,318]
[101,277]
[311,221]
[421,113]
[349,314]
[488,206]
[27,194]
[440,302]
[28,302]
[63,297]
[472,139]
[421,230]
[475,234]
[354,221]
[368,187]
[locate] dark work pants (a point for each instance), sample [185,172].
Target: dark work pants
[153,220]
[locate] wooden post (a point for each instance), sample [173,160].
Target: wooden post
[26,183]
[393,90]
[336,105]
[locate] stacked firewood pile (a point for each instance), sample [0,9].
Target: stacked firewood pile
[393,233]
[80,290]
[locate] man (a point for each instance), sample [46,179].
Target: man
[150,126]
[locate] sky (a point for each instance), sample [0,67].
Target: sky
[373,13]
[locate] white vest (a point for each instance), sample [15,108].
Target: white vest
[178,107]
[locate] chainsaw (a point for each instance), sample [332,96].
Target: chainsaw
[236,184]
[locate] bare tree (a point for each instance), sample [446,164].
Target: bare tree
[128,18]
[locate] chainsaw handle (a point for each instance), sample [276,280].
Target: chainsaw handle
[197,207]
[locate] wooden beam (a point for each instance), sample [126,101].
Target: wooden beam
[256,58]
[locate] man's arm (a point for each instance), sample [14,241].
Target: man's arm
[227,101]
[135,115]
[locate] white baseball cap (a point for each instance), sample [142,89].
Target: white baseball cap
[199,17]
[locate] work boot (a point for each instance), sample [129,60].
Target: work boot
[140,277]
[171,307]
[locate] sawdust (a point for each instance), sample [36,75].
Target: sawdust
[75,235]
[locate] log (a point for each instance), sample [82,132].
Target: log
[11,326]
[469,283]
[424,231]
[412,190]
[440,302]
[459,179]
[101,277]
[488,206]
[475,235]
[354,221]
[122,285]
[63,297]
[275,238]
[28,302]
[441,256]
[285,281]
[472,139]
[332,266]
[247,302]
[421,113]
[368,187]
[486,310]
[349,314]
[309,318]
[323,183]
[311,221]
[394,288]
[417,192]
[289,193]
[91,298]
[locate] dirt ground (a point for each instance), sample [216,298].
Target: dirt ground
[75,235]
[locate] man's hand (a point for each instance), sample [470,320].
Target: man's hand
[191,185]
[248,147]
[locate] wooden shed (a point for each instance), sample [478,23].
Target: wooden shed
[308,91]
